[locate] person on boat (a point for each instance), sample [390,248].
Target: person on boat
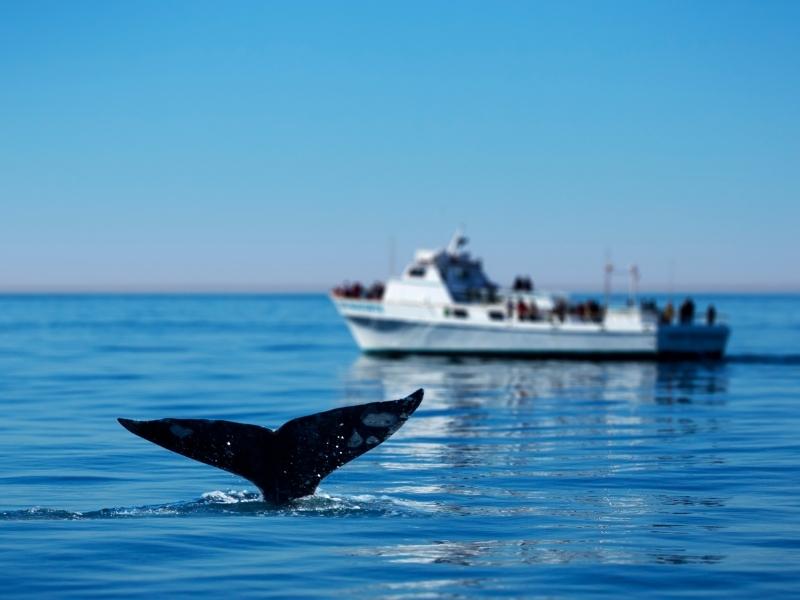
[668,314]
[594,312]
[711,314]
[522,310]
[375,292]
[523,284]
[534,312]
[579,311]
[560,309]
[687,312]
[509,309]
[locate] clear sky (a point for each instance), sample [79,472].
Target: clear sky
[171,145]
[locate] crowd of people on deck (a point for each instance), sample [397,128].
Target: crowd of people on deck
[686,313]
[524,309]
[356,290]
[522,284]
[590,310]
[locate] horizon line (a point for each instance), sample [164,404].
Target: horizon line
[306,288]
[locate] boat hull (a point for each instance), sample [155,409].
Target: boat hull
[385,334]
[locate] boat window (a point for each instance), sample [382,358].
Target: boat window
[416,272]
[496,315]
[461,313]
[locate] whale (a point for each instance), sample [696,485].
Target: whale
[289,462]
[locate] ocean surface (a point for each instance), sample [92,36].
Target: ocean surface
[517,479]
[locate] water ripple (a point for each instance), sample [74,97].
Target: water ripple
[514,478]
[238,503]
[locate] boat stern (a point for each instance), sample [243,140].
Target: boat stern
[692,341]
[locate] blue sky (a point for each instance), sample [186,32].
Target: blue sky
[238,145]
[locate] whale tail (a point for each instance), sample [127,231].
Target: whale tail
[287,463]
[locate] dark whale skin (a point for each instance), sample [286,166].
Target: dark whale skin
[287,463]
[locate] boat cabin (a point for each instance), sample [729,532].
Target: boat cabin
[444,276]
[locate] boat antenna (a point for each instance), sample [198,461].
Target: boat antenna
[633,283]
[457,241]
[608,270]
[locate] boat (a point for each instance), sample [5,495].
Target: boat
[444,303]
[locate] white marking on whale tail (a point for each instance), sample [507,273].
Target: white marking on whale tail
[180,431]
[355,440]
[379,419]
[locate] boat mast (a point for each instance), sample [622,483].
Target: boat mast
[608,271]
[633,284]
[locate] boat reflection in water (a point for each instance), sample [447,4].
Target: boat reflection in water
[451,380]
[563,461]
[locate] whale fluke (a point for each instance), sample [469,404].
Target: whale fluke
[287,463]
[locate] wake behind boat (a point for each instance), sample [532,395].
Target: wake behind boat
[444,303]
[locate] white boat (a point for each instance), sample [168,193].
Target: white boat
[444,303]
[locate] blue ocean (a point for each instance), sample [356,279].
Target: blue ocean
[517,479]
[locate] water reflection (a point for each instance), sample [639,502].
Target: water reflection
[602,453]
[684,383]
[500,553]
[532,408]
[469,382]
